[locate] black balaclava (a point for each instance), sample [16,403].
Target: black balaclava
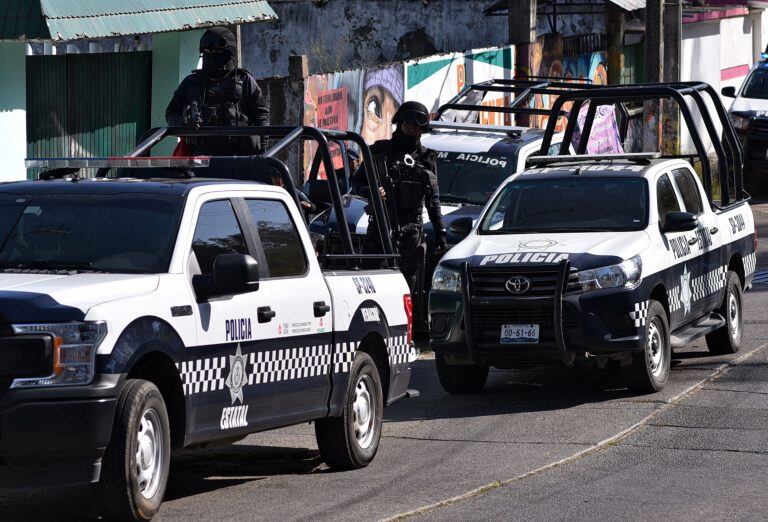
[404,143]
[221,62]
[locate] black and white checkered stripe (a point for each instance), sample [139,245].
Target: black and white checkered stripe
[701,287]
[202,375]
[750,263]
[288,364]
[639,314]
[399,350]
[210,373]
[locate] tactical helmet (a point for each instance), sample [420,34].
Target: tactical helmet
[218,39]
[412,111]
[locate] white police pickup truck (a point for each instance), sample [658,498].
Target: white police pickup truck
[588,258]
[142,317]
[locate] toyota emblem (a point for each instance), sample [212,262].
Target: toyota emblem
[518,285]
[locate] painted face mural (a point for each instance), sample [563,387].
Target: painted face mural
[382,95]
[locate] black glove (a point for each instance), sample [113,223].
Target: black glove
[441,244]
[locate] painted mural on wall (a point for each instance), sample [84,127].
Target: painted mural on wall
[365,100]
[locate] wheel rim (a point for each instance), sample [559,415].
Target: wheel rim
[149,454]
[734,312]
[656,348]
[364,412]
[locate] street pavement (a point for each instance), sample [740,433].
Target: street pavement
[552,444]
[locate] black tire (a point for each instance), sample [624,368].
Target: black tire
[120,493]
[727,339]
[649,370]
[460,379]
[343,443]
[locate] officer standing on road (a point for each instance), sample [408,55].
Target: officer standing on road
[410,174]
[219,94]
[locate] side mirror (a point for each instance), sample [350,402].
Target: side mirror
[233,274]
[680,222]
[462,226]
[728,92]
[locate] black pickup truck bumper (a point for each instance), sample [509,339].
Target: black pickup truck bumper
[603,322]
[55,436]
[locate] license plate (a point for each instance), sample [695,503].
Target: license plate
[519,333]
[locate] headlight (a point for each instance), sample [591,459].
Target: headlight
[739,122]
[74,352]
[446,279]
[626,274]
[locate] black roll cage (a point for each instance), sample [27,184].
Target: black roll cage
[523,88]
[730,161]
[286,137]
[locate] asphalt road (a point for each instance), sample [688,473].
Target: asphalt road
[544,444]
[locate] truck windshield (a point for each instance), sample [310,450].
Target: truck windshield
[125,233]
[757,84]
[568,205]
[471,178]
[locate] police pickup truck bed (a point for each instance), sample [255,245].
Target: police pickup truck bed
[141,317]
[596,259]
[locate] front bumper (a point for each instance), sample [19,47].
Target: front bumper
[56,436]
[603,322]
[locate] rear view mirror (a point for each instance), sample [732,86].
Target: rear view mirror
[680,222]
[728,92]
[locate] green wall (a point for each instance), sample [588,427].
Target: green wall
[174,56]
[13,107]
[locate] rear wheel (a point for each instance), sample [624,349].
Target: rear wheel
[135,466]
[351,441]
[727,339]
[460,379]
[649,369]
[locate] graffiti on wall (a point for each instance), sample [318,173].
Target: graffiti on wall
[365,100]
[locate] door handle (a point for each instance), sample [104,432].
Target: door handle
[321,308]
[265,314]
[713,230]
[693,240]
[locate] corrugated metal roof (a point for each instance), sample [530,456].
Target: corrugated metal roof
[629,5]
[77,19]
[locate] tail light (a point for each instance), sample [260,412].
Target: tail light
[408,307]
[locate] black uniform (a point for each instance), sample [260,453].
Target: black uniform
[413,188]
[234,100]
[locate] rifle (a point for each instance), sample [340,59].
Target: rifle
[391,175]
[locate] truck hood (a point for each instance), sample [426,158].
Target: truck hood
[50,297]
[582,250]
[749,105]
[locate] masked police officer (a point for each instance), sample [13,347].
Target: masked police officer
[410,175]
[219,94]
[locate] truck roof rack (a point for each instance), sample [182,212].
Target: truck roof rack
[267,163]
[524,88]
[456,126]
[643,158]
[728,149]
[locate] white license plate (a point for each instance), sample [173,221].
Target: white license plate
[519,333]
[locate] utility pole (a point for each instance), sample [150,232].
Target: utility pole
[654,71]
[614,27]
[673,29]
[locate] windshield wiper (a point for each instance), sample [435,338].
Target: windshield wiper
[50,265]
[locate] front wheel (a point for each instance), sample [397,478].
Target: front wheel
[460,379]
[351,441]
[135,466]
[727,339]
[649,369]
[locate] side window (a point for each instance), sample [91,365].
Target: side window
[217,232]
[666,199]
[279,238]
[688,190]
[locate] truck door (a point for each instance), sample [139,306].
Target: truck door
[300,332]
[709,284]
[224,394]
[682,256]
